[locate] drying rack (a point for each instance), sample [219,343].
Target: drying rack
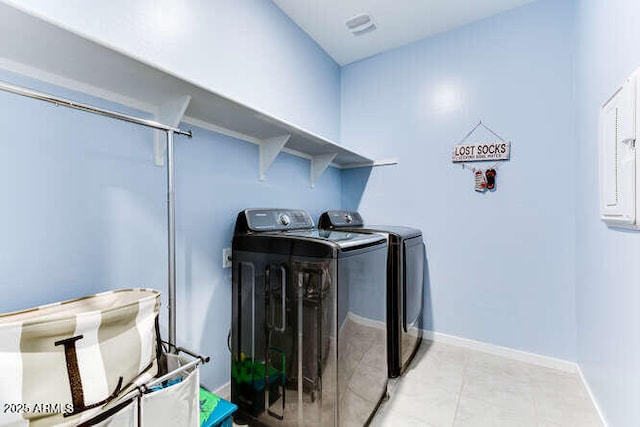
[168,347]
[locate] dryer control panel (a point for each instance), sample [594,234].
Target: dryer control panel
[337,219]
[276,219]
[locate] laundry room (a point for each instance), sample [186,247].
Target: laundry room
[191,188]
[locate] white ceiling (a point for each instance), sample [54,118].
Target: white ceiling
[398,21]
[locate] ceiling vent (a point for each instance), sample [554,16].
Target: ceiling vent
[360,24]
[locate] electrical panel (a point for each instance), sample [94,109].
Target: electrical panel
[618,157]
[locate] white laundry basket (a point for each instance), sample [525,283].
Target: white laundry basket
[168,401]
[96,360]
[177,404]
[76,355]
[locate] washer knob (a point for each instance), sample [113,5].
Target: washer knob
[284,219]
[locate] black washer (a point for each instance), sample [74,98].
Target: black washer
[308,320]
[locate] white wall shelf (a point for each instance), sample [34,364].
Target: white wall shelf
[38,49]
[171,112]
[269,150]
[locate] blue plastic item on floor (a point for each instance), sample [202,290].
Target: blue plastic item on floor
[221,415]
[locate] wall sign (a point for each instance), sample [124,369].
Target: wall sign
[500,150]
[494,152]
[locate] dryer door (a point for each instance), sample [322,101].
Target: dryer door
[412,290]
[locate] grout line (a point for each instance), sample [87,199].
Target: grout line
[464,375]
[533,398]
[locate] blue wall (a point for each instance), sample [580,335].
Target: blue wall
[85,211]
[85,207]
[502,264]
[82,203]
[608,292]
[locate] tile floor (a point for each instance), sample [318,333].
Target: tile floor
[449,386]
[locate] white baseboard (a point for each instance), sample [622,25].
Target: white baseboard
[224,391]
[510,353]
[592,397]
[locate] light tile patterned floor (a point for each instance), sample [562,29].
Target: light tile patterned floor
[449,386]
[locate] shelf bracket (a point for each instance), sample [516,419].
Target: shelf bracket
[269,150]
[169,113]
[320,163]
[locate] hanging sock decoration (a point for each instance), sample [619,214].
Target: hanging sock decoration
[483,180]
[480,182]
[491,178]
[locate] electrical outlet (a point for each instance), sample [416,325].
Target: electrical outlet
[226,258]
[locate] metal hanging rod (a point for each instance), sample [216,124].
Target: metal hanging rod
[171,211]
[88,108]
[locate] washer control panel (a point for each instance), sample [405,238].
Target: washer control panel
[284,219]
[277,219]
